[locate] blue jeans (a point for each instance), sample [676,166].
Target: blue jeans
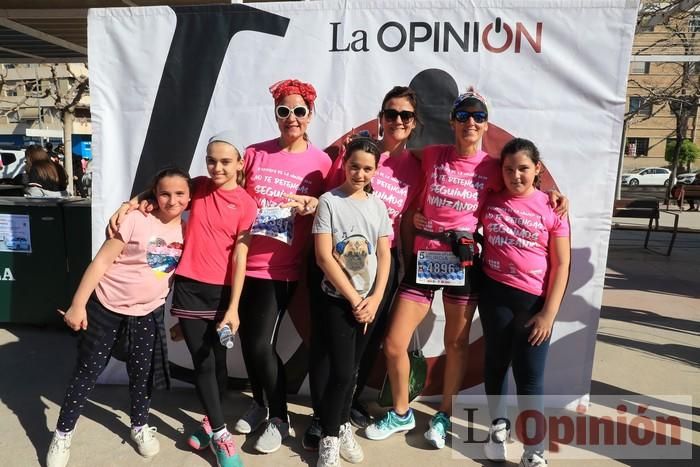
[504,311]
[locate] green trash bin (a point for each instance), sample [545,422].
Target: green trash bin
[32,260]
[77,220]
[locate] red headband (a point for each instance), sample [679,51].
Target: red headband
[287,87]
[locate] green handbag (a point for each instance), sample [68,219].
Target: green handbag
[416,377]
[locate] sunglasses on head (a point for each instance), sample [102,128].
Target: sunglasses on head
[391,115]
[463,115]
[300,111]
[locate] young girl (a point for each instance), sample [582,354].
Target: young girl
[208,282]
[397,183]
[526,264]
[351,237]
[121,296]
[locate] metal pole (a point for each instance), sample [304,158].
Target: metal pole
[68,148]
[620,163]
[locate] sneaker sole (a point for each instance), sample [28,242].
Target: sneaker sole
[403,430]
[197,446]
[351,459]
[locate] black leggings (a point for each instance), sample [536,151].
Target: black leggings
[94,351]
[319,364]
[263,303]
[209,360]
[504,311]
[343,342]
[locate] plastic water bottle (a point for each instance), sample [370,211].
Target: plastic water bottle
[226,337]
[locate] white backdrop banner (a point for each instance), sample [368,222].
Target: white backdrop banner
[163,80]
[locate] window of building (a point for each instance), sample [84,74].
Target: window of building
[694,68]
[694,23]
[639,106]
[639,68]
[637,147]
[10,92]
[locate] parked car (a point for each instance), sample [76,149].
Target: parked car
[647,176]
[686,179]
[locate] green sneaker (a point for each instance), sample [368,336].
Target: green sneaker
[438,427]
[201,437]
[225,451]
[389,424]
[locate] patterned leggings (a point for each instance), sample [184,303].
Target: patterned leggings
[94,350]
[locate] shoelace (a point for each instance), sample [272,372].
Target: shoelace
[347,437]
[226,444]
[385,421]
[60,444]
[441,423]
[206,426]
[146,433]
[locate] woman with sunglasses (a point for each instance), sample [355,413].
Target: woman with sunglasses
[285,167]
[397,183]
[456,180]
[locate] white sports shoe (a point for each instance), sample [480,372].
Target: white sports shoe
[535,459]
[146,443]
[495,447]
[328,452]
[349,449]
[252,419]
[59,451]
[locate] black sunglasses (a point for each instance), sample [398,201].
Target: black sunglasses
[391,115]
[463,116]
[300,111]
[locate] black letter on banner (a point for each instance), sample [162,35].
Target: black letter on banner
[414,34]
[201,38]
[380,36]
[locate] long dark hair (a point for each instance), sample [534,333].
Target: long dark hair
[363,143]
[516,145]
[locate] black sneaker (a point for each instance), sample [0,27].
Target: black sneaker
[312,435]
[359,416]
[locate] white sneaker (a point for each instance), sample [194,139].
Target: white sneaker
[534,459]
[271,439]
[59,451]
[146,443]
[495,447]
[328,452]
[349,449]
[251,419]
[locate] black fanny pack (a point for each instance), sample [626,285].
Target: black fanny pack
[461,242]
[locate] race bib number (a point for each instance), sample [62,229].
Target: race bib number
[438,268]
[275,222]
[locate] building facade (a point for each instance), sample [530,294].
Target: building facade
[30,99]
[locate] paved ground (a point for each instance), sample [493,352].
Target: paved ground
[648,343]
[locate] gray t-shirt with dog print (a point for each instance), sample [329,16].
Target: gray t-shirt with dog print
[355,224]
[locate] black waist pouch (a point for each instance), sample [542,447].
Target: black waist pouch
[462,244]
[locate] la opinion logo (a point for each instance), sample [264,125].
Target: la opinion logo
[441,36]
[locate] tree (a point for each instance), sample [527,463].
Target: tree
[689,153]
[677,36]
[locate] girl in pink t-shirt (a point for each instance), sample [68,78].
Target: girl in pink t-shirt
[526,265]
[120,299]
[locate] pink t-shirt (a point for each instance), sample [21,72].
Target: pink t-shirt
[139,280]
[271,174]
[517,230]
[454,191]
[216,219]
[397,183]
